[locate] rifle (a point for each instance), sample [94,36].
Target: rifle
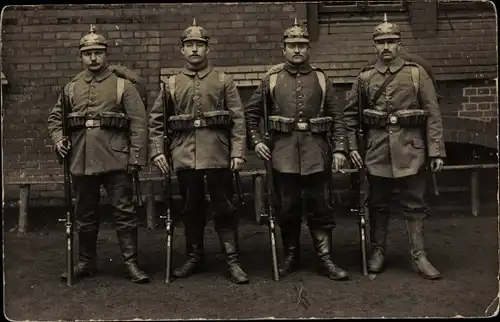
[239,189]
[68,220]
[169,228]
[269,193]
[137,188]
[360,207]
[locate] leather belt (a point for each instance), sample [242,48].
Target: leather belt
[92,123]
[301,126]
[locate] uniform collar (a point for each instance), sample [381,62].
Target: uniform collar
[102,75]
[396,65]
[201,73]
[293,69]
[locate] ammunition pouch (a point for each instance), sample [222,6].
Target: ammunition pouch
[114,120]
[212,119]
[374,118]
[412,118]
[321,124]
[218,118]
[76,120]
[281,123]
[181,122]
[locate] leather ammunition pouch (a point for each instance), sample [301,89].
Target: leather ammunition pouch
[321,124]
[114,120]
[412,118]
[281,123]
[374,118]
[76,120]
[212,119]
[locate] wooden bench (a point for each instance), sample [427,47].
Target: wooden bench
[24,192]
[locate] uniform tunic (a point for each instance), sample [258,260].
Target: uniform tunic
[98,150]
[200,148]
[297,94]
[395,151]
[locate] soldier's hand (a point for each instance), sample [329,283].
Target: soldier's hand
[237,164]
[161,162]
[133,168]
[63,146]
[356,158]
[436,164]
[338,161]
[263,151]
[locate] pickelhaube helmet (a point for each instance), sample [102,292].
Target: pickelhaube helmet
[93,41]
[195,32]
[386,30]
[296,34]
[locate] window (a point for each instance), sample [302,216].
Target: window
[342,10]
[465,9]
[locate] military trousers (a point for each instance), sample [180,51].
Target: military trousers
[220,191]
[410,200]
[119,188]
[308,194]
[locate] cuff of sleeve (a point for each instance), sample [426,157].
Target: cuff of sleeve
[134,157]
[436,149]
[155,148]
[352,142]
[254,138]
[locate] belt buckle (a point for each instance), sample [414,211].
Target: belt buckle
[393,119]
[89,123]
[302,126]
[197,123]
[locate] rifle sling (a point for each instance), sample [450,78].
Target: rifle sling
[383,87]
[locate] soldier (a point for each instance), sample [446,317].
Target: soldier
[301,119]
[207,138]
[403,130]
[108,126]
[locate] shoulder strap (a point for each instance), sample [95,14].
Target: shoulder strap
[222,77]
[171,87]
[322,84]
[120,88]
[71,92]
[415,77]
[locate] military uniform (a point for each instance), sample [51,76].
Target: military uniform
[108,132]
[306,128]
[206,129]
[403,130]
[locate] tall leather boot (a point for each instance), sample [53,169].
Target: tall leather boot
[417,249]
[86,266]
[194,250]
[378,235]
[290,235]
[228,240]
[322,241]
[128,246]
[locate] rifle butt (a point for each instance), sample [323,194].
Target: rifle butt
[364,260]
[168,260]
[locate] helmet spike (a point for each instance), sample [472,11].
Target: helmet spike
[295,23]
[194,22]
[92,29]
[385,17]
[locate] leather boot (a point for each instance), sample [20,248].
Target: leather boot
[194,250]
[290,235]
[128,246]
[378,235]
[322,241]
[86,266]
[417,249]
[228,240]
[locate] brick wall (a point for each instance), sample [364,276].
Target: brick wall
[39,54]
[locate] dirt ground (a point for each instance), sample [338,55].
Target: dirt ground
[464,248]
